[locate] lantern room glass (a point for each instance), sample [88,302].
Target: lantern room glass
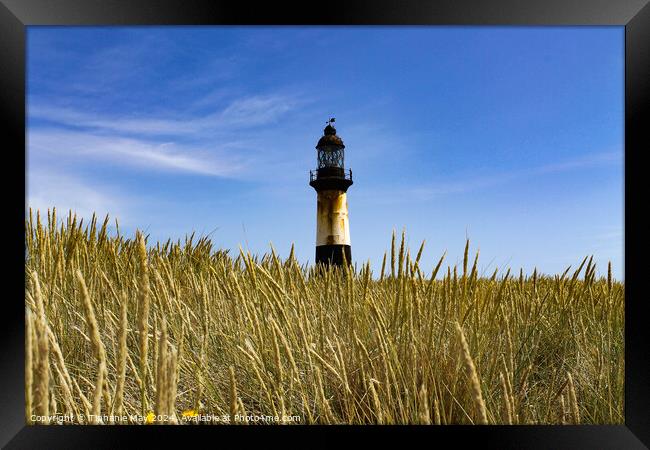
[330,156]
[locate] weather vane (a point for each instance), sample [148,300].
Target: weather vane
[331,121]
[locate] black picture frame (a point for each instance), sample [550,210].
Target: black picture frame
[634,15]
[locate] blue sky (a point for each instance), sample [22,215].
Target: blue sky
[511,136]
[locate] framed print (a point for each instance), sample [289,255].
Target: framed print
[328,220]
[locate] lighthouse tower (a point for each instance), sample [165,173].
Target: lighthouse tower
[331,181]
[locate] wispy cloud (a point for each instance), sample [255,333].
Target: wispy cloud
[47,189]
[109,110]
[592,160]
[460,186]
[121,124]
[80,146]
[609,236]
[223,142]
[257,110]
[241,113]
[471,182]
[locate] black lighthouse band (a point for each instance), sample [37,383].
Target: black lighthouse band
[333,254]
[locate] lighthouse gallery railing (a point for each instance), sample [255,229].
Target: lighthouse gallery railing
[313,175]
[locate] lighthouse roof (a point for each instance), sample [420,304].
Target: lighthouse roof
[329,137]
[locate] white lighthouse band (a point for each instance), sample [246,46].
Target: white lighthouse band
[332,224]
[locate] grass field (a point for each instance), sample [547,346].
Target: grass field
[177,331]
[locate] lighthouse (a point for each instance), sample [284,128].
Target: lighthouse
[331,182]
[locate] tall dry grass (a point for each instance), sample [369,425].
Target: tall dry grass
[119,327]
